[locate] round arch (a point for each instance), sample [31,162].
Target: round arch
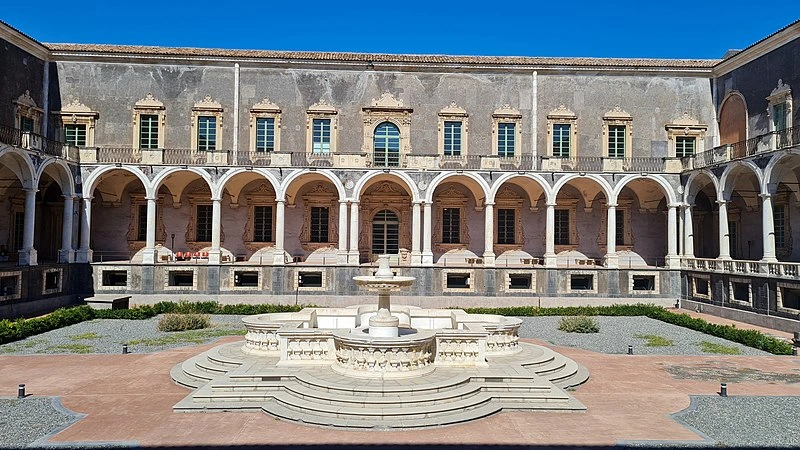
[64,176]
[669,193]
[21,166]
[688,195]
[732,117]
[401,176]
[223,181]
[777,167]
[506,177]
[152,190]
[605,187]
[296,175]
[726,189]
[91,182]
[473,176]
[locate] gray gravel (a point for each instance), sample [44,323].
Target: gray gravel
[745,421]
[108,336]
[616,333]
[24,421]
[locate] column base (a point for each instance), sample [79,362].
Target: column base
[725,257]
[353,258]
[342,257]
[611,261]
[488,259]
[149,256]
[66,256]
[214,256]
[550,260]
[28,257]
[279,257]
[673,261]
[416,258]
[427,258]
[84,255]
[769,259]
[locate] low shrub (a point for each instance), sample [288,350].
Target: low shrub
[578,324]
[183,322]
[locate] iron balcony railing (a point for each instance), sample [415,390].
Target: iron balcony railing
[643,164]
[582,164]
[774,140]
[522,162]
[118,155]
[303,159]
[460,162]
[255,159]
[38,143]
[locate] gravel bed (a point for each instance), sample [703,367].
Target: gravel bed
[108,336]
[24,421]
[616,333]
[745,421]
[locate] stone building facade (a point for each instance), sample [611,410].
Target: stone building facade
[271,176]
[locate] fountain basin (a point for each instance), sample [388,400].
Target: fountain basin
[361,356]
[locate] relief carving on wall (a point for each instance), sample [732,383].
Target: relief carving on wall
[384,195]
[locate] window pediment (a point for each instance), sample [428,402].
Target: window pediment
[149,102]
[453,110]
[617,114]
[507,112]
[781,92]
[322,107]
[207,104]
[562,112]
[265,106]
[387,102]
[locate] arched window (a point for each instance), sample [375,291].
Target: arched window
[386,148]
[733,120]
[385,233]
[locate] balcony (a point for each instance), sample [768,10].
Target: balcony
[38,143]
[772,141]
[788,270]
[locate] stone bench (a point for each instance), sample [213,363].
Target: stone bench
[108,301]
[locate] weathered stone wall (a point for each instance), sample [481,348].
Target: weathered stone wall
[19,71]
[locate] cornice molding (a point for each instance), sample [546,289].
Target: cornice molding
[24,42]
[757,50]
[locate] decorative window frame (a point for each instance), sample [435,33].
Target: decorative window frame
[780,285]
[387,109]
[25,106]
[204,108]
[77,113]
[98,275]
[707,279]
[454,113]
[782,94]
[507,114]
[563,116]
[149,105]
[686,125]
[138,199]
[265,110]
[506,198]
[320,196]
[570,204]
[617,116]
[200,196]
[507,278]
[749,284]
[451,198]
[656,275]
[625,206]
[262,195]
[568,280]
[296,285]
[321,110]
[232,274]
[470,272]
[194,271]
[57,289]
[18,294]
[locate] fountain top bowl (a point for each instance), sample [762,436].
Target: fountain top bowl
[384,278]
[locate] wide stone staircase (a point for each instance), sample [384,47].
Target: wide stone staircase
[225,378]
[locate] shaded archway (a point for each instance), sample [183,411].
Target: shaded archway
[642,228]
[522,197]
[741,185]
[701,222]
[16,177]
[457,208]
[782,182]
[316,218]
[118,208]
[578,217]
[382,195]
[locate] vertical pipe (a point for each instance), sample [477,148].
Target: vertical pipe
[235,113]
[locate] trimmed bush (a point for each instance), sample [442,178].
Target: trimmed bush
[183,322]
[578,324]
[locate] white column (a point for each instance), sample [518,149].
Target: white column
[488,235]
[354,256]
[680,230]
[416,254]
[279,257]
[724,234]
[688,232]
[550,237]
[427,253]
[611,259]
[673,261]
[27,254]
[66,255]
[342,232]
[149,253]
[768,229]
[84,252]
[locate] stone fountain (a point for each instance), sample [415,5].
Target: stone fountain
[380,366]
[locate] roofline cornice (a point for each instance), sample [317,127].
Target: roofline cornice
[24,42]
[759,49]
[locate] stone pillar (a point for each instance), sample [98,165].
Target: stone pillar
[342,232]
[680,230]
[279,258]
[427,236]
[550,237]
[488,235]
[214,255]
[768,229]
[724,234]
[688,232]
[354,256]
[611,259]
[84,252]
[149,254]
[27,254]
[672,260]
[66,254]
[416,253]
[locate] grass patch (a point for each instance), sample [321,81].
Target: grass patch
[720,349]
[578,324]
[188,337]
[72,348]
[85,336]
[654,340]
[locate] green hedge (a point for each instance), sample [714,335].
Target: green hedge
[750,338]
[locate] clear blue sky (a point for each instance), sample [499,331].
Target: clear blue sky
[621,28]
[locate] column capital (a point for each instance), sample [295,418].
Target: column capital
[87,198]
[354,202]
[765,195]
[343,202]
[675,205]
[488,203]
[30,190]
[213,199]
[156,198]
[280,200]
[69,196]
[721,202]
[551,204]
[611,205]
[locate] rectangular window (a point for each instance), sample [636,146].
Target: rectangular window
[148,131]
[458,280]
[262,223]
[561,143]
[243,278]
[741,292]
[19,227]
[204,219]
[616,141]
[206,133]
[505,226]
[620,229]
[684,146]
[451,225]
[116,278]
[733,236]
[581,282]
[561,227]
[309,279]
[779,116]
[265,134]
[644,282]
[141,222]
[321,136]
[75,134]
[181,278]
[319,224]
[779,221]
[26,124]
[452,138]
[506,133]
[519,281]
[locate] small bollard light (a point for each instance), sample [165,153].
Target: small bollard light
[723,389]
[794,351]
[630,349]
[124,349]
[21,391]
